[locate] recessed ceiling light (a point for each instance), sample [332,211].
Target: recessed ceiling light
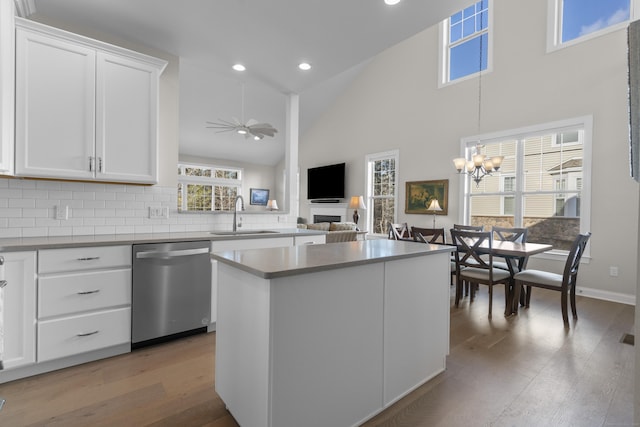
[304,66]
[239,67]
[391,2]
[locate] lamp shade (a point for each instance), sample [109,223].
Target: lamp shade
[356,202]
[272,205]
[434,206]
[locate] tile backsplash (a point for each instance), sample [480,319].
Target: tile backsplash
[28,209]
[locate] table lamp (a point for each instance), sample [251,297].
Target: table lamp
[434,207]
[272,205]
[356,203]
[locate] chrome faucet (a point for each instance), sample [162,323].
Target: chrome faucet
[235,211]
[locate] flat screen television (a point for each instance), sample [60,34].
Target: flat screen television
[326,182]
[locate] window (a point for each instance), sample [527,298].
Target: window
[467,41]
[541,185]
[508,200]
[207,188]
[574,20]
[382,175]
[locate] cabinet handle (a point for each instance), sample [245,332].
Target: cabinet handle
[95,291]
[99,164]
[86,334]
[91,258]
[90,164]
[3,283]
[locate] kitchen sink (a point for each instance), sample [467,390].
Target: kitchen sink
[242,233]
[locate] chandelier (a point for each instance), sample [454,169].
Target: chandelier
[480,165]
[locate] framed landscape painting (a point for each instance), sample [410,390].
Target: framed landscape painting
[258,196]
[419,195]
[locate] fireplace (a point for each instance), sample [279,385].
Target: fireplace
[326,218]
[328,212]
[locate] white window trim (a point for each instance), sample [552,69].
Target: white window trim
[554,25]
[443,52]
[184,179]
[368,175]
[586,122]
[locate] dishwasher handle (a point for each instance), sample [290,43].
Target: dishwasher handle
[171,254]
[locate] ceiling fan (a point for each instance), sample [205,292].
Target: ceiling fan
[250,128]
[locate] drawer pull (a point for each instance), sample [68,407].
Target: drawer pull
[91,258]
[86,334]
[95,291]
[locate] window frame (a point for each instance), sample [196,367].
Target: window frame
[586,123]
[185,180]
[444,51]
[369,160]
[554,26]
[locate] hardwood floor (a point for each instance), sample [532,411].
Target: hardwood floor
[525,370]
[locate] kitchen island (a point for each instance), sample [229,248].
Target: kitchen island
[328,335]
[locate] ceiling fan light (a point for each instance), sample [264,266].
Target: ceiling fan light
[242,131]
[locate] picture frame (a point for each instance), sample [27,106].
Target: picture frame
[258,196]
[419,195]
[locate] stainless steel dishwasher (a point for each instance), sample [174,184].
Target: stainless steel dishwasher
[171,291]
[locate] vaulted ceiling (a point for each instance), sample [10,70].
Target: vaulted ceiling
[269,37]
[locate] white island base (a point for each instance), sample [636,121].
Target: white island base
[329,346]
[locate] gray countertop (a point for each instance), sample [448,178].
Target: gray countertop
[56,242]
[281,262]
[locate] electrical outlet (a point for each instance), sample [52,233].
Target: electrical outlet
[613,271]
[62,212]
[158,212]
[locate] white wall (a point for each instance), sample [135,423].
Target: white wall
[396,103]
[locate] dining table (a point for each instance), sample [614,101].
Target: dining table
[517,255]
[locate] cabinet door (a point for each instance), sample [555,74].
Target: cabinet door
[126,127]
[55,107]
[19,309]
[6,87]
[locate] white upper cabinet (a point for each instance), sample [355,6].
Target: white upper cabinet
[6,87]
[84,109]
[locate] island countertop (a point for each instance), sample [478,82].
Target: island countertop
[289,261]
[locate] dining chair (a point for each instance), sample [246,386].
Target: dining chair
[433,235]
[510,234]
[398,231]
[565,283]
[430,235]
[474,266]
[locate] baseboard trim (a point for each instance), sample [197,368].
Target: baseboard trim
[606,295]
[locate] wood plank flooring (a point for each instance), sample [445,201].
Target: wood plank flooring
[525,370]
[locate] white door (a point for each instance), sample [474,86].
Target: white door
[19,309]
[126,127]
[55,107]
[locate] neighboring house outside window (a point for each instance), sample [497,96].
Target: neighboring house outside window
[382,176]
[208,188]
[466,42]
[542,185]
[572,21]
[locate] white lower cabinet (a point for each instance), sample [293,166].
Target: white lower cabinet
[71,335]
[84,300]
[18,312]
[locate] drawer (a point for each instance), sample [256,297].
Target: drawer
[89,258]
[239,244]
[74,293]
[80,334]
